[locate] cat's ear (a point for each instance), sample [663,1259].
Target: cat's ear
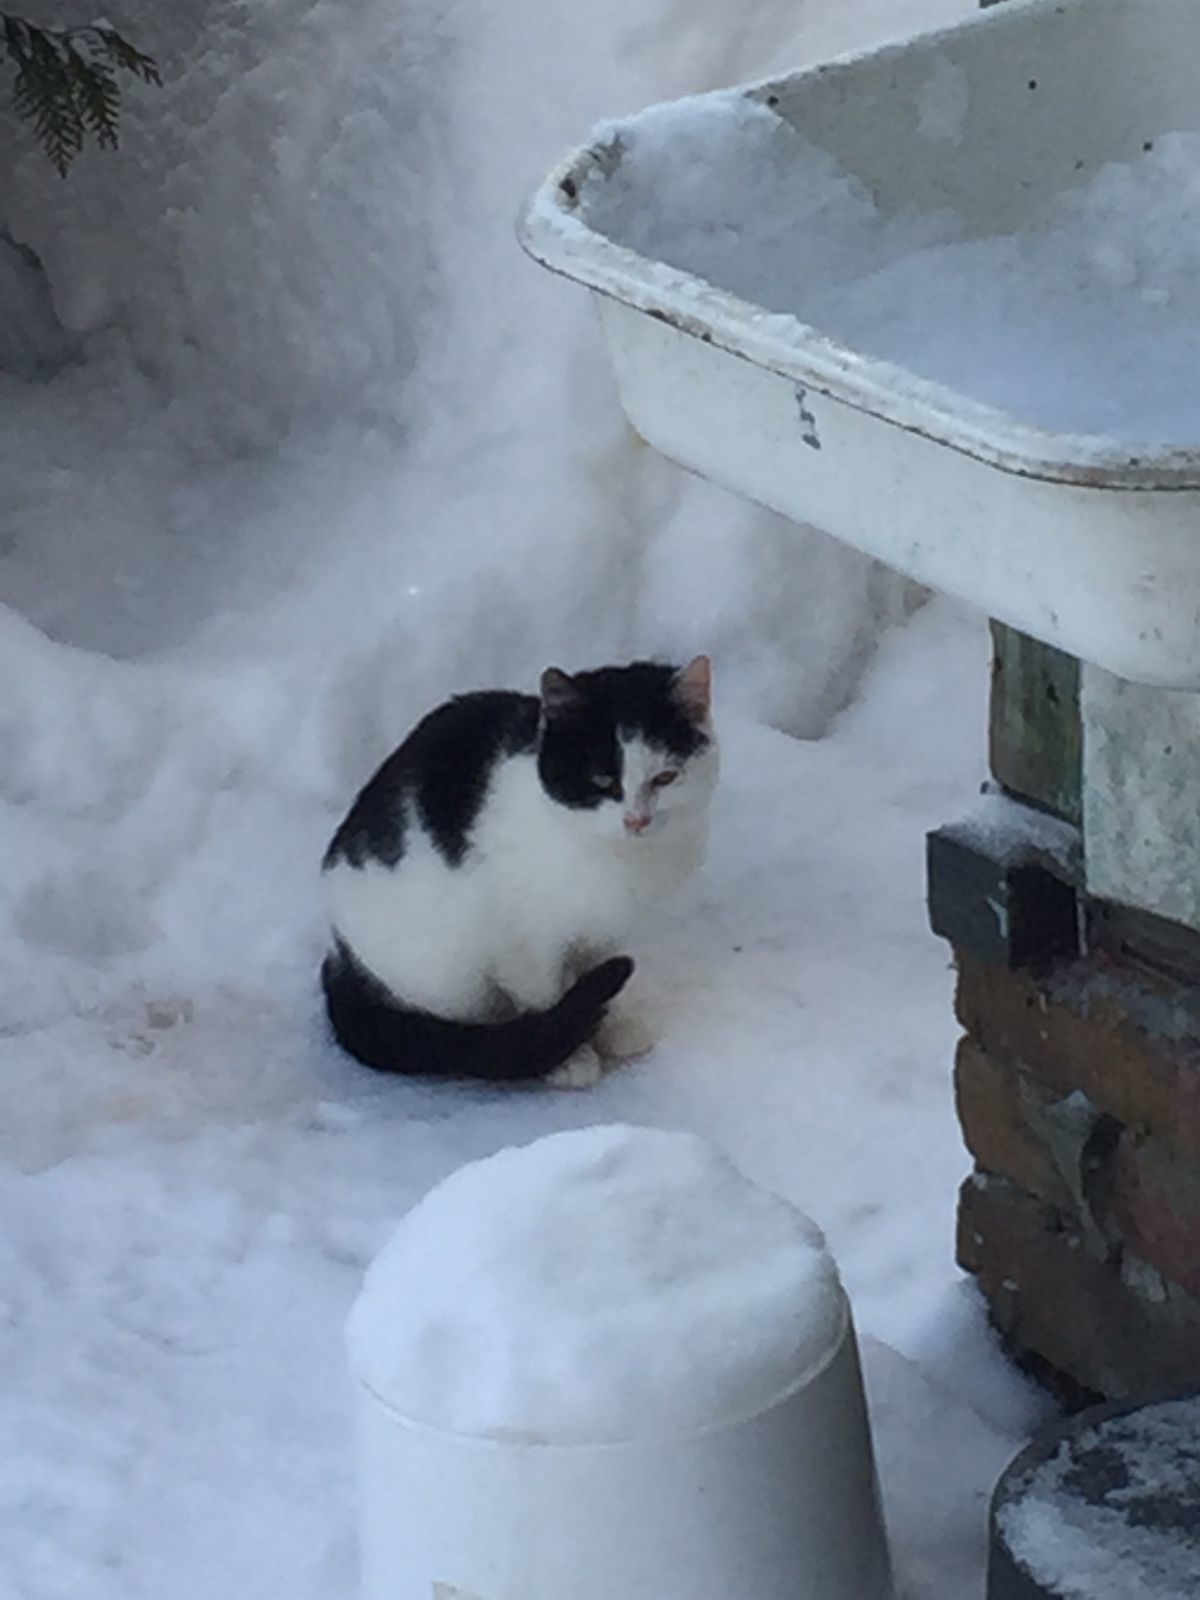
[692,689]
[560,693]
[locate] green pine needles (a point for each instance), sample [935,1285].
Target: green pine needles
[66,84]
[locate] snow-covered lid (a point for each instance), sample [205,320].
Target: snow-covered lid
[612,1284]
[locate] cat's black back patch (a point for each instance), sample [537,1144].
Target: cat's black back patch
[373,828]
[453,752]
[442,769]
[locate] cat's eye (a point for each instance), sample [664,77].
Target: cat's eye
[662,779]
[607,784]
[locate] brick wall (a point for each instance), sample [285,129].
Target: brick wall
[1077,1083]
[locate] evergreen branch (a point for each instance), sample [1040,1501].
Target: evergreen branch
[97,98]
[66,83]
[123,54]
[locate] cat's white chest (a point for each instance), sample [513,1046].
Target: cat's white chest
[557,872]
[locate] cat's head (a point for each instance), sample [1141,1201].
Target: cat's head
[632,747]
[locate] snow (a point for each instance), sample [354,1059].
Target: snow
[194,1181]
[1085,320]
[1115,1511]
[32,342]
[307,445]
[1017,834]
[608,1283]
[943,103]
[724,187]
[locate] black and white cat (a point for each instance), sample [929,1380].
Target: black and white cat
[487,877]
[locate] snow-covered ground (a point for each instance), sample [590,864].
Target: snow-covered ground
[305,444]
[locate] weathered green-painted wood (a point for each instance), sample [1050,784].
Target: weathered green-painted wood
[1035,736]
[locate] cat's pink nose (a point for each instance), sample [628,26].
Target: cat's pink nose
[635,823]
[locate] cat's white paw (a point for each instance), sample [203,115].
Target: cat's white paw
[583,1071]
[624,1036]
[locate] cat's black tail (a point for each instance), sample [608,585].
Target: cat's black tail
[381,1033]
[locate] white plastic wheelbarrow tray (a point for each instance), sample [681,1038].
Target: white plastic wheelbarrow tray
[1071,538]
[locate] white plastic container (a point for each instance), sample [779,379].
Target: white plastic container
[1075,539]
[544,1314]
[777,1506]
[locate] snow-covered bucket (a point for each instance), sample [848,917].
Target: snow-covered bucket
[939,299]
[607,1367]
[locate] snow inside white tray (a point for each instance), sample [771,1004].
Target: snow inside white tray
[614,1283]
[1087,321]
[1138,1540]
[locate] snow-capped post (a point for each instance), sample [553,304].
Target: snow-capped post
[939,300]
[605,1366]
[1076,1074]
